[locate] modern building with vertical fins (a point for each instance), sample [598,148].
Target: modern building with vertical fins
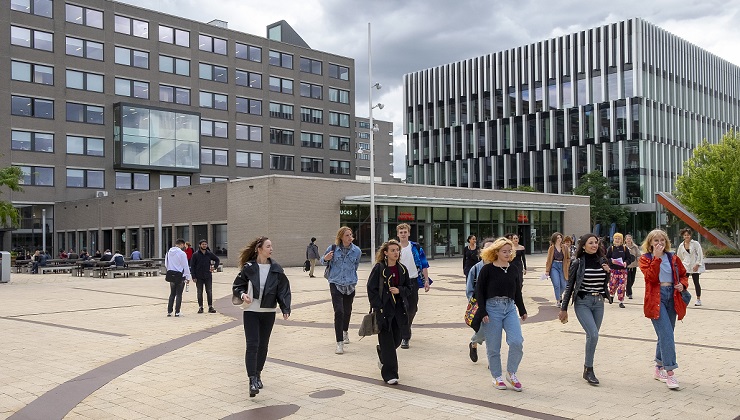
[628,99]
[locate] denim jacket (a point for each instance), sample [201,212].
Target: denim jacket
[343,265]
[420,259]
[472,278]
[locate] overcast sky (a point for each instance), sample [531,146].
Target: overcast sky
[411,35]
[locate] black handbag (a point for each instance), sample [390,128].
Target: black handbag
[173,276]
[307,265]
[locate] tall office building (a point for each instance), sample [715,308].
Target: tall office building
[628,99]
[382,149]
[99,97]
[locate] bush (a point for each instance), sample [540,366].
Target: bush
[721,252]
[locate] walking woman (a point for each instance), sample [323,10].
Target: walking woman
[499,295]
[587,287]
[343,258]
[691,254]
[665,279]
[471,255]
[557,265]
[619,258]
[632,267]
[520,259]
[261,285]
[388,289]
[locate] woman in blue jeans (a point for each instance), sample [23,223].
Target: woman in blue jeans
[557,264]
[589,277]
[499,291]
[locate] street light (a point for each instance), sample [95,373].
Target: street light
[372,150]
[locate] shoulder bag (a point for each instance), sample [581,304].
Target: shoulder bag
[172,275]
[327,270]
[470,311]
[369,324]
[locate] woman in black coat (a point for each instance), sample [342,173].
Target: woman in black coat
[388,289]
[471,255]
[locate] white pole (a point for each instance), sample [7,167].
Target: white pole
[159,227]
[372,149]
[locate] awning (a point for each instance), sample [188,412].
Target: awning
[466,203]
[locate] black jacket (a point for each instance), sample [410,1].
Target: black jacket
[379,295]
[575,279]
[200,264]
[277,286]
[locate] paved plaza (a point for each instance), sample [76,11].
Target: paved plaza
[86,348]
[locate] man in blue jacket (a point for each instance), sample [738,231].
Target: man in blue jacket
[200,268]
[413,258]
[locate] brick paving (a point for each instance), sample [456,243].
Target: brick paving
[84,348]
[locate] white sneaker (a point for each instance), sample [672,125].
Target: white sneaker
[346,337]
[340,347]
[499,383]
[660,374]
[393,381]
[698,302]
[671,382]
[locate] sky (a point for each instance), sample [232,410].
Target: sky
[412,35]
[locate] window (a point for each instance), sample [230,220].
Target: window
[315,165]
[282,111]
[35,142]
[363,135]
[135,27]
[214,100]
[248,79]
[338,95]
[210,179]
[248,52]
[83,16]
[174,36]
[338,72]
[174,65]
[212,72]
[313,140]
[132,88]
[89,114]
[339,167]
[278,84]
[31,107]
[312,115]
[28,72]
[171,181]
[84,48]
[214,157]
[310,66]
[363,146]
[43,8]
[132,181]
[363,124]
[31,38]
[338,119]
[281,162]
[309,90]
[84,81]
[37,175]
[248,106]
[85,178]
[212,44]
[129,57]
[174,94]
[214,128]
[90,146]
[339,143]
[248,132]
[249,159]
[280,136]
[280,59]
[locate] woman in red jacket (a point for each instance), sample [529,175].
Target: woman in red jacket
[665,279]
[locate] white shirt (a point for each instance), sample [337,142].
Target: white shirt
[177,260]
[407,259]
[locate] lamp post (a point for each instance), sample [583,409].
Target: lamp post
[372,147]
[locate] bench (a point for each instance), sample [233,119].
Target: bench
[137,271]
[56,269]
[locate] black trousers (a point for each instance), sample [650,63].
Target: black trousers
[413,308]
[208,283]
[388,342]
[257,330]
[631,274]
[342,311]
[695,277]
[176,288]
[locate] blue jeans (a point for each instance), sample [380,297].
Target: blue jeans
[665,349]
[590,312]
[558,279]
[479,337]
[502,316]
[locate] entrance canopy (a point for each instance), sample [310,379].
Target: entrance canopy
[397,200]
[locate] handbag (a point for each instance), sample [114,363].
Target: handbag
[307,265]
[369,325]
[327,270]
[686,296]
[173,276]
[470,311]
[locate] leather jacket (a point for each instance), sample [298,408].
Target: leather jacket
[575,278]
[277,286]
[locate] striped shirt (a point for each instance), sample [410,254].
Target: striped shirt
[594,276]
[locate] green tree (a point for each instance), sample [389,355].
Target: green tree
[11,178]
[526,188]
[596,186]
[710,185]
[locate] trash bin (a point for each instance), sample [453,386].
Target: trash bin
[4,266]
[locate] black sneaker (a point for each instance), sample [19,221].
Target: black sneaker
[621,305]
[169,313]
[200,310]
[404,343]
[611,299]
[629,296]
[473,352]
[211,310]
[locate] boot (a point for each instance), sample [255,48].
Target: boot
[588,375]
[259,380]
[253,388]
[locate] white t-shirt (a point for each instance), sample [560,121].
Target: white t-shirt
[255,305]
[407,259]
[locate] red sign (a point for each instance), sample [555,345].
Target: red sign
[522,218]
[405,216]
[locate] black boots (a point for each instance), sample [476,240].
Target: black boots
[259,380]
[588,375]
[253,388]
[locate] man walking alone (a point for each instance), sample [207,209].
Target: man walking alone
[312,255]
[200,267]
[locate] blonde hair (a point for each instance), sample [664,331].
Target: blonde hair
[618,235]
[340,233]
[647,246]
[380,255]
[490,254]
[403,226]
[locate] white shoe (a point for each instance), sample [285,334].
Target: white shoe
[393,381]
[671,382]
[660,374]
[340,347]
[698,302]
[346,337]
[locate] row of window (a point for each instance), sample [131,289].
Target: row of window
[44,142]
